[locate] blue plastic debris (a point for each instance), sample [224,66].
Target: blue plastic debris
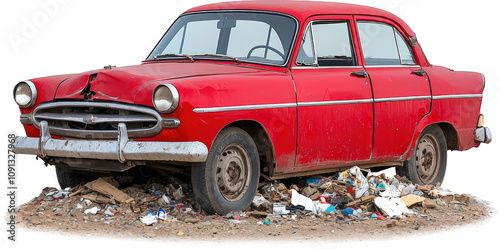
[313,180]
[150,212]
[347,211]
[162,215]
[331,208]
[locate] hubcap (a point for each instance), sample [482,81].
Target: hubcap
[428,158]
[233,172]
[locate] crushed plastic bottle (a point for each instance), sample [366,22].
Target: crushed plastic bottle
[408,190]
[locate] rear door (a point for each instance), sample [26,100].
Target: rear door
[401,90]
[334,97]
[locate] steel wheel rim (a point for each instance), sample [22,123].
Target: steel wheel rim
[233,172]
[428,158]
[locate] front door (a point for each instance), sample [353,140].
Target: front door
[334,97]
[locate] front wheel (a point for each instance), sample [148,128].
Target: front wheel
[228,180]
[427,164]
[68,177]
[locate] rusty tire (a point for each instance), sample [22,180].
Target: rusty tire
[427,164]
[228,180]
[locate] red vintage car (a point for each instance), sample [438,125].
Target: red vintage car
[239,90]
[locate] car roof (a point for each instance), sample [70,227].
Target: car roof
[304,9]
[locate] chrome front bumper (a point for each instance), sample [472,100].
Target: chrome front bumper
[122,149]
[483,135]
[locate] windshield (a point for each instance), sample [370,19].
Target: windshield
[241,36]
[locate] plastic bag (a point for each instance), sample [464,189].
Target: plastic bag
[355,177]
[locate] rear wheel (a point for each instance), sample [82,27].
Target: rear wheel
[228,180]
[427,164]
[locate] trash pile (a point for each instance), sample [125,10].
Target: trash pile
[148,202]
[349,197]
[354,195]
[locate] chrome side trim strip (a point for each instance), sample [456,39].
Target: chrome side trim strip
[242,107]
[401,98]
[458,96]
[335,102]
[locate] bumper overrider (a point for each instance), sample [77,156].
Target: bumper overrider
[482,135]
[122,149]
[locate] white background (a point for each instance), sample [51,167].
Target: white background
[75,36]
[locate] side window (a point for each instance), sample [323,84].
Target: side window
[382,44]
[327,44]
[404,50]
[306,50]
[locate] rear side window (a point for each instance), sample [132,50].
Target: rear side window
[382,45]
[327,43]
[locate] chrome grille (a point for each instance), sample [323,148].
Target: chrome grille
[97,120]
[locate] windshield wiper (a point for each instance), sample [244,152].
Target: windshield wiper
[172,56]
[218,56]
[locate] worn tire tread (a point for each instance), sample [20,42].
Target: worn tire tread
[409,168]
[200,174]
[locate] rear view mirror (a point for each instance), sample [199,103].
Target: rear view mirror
[227,23]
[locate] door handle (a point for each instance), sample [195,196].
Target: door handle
[420,72]
[362,74]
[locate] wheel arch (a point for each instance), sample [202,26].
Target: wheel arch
[262,141]
[451,135]
[449,130]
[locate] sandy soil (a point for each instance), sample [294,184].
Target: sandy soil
[67,215]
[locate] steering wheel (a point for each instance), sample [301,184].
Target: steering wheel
[268,47]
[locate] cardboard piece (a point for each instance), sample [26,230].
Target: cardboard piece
[99,199]
[107,189]
[362,200]
[410,200]
[429,203]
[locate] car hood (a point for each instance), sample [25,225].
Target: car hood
[122,83]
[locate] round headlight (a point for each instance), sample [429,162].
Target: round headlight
[166,98]
[25,94]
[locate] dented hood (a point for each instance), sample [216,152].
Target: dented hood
[122,83]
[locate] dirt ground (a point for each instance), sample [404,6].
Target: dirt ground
[69,212]
[218,228]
